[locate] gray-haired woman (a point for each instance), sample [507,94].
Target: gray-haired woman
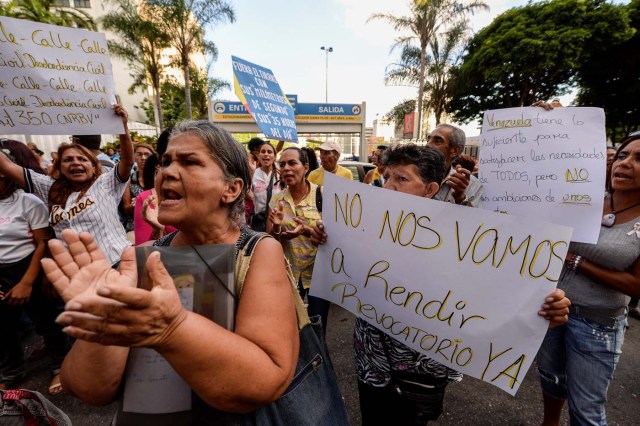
[201,184]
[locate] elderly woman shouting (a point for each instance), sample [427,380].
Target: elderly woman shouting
[201,184]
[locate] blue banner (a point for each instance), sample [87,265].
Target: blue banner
[329,109]
[261,95]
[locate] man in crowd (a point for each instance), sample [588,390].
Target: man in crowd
[329,156]
[459,186]
[374,176]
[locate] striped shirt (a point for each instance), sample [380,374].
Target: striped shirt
[96,212]
[372,363]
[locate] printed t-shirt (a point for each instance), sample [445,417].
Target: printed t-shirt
[96,212]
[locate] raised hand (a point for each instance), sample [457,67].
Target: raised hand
[276,216]
[150,211]
[119,110]
[459,181]
[125,316]
[82,268]
[253,164]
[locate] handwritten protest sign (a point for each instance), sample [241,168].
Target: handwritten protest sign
[546,164]
[55,80]
[259,91]
[461,285]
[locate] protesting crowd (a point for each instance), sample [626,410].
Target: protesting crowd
[67,263]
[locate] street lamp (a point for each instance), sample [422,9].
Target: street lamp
[327,50]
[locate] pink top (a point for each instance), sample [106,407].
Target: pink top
[141,228]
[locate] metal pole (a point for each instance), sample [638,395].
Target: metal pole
[326,72]
[326,77]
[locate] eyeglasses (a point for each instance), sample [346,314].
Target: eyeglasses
[142,154]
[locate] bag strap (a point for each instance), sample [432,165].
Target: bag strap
[17,395]
[270,189]
[243,260]
[319,198]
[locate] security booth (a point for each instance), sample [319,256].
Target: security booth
[315,123]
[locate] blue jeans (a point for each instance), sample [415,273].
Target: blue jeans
[577,361]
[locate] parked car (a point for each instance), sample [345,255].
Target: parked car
[358,168]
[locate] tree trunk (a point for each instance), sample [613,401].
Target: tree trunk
[421,77]
[438,113]
[187,88]
[157,108]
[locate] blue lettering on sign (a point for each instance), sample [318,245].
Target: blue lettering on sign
[265,100]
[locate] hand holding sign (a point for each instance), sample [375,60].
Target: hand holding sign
[459,181]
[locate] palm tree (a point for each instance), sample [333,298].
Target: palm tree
[185,21]
[443,53]
[141,42]
[427,19]
[50,12]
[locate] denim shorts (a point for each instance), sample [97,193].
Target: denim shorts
[577,361]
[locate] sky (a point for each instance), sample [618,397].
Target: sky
[285,36]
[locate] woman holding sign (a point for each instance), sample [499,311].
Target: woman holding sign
[79,195]
[577,360]
[396,384]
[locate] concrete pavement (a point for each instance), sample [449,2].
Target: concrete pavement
[470,402]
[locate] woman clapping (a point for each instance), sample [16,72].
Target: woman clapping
[200,186]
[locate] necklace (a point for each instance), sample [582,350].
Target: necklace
[307,189]
[609,220]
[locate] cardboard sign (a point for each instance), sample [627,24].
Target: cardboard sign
[259,91]
[55,81]
[548,165]
[461,285]
[204,278]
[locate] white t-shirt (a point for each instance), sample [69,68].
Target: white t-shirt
[259,187]
[19,215]
[95,213]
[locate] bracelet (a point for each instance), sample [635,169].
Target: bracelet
[575,263]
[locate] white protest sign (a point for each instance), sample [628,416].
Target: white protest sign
[55,81]
[461,285]
[548,165]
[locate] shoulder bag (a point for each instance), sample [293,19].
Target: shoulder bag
[313,397]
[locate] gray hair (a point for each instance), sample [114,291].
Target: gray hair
[457,138]
[226,152]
